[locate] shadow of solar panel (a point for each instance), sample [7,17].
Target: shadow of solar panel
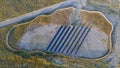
[65,39]
[68,39]
[61,38]
[54,38]
[82,39]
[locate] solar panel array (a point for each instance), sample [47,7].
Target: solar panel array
[68,39]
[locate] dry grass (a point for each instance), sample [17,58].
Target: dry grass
[13,8]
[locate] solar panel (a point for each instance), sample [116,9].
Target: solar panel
[68,39]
